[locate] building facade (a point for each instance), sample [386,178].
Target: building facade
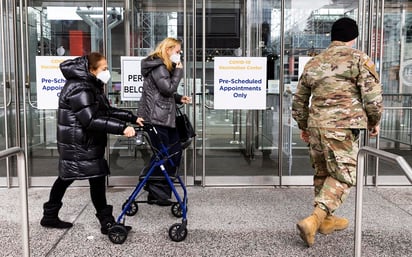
[234,146]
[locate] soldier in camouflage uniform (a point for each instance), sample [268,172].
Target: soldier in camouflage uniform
[337,95]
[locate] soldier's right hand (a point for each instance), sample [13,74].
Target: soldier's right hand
[304,135]
[374,131]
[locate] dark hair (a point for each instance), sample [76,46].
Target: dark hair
[94,58]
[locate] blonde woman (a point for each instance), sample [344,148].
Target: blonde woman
[162,71]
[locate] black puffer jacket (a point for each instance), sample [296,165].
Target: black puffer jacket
[84,119]
[159,98]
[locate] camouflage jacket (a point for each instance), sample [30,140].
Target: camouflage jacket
[339,88]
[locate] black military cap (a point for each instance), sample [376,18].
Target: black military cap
[345,29]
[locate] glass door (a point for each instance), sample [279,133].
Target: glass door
[392,44]
[307,28]
[59,30]
[9,135]
[239,139]
[4,170]
[235,145]
[56,31]
[126,159]
[144,25]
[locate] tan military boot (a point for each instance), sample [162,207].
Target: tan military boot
[332,223]
[310,225]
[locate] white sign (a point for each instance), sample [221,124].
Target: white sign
[49,80]
[132,79]
[302,62]
[406,73]
[240,83]
[273,86]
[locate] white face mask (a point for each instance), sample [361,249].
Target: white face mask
[104,76]
[175,58]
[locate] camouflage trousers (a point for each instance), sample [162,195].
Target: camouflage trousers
[333,154]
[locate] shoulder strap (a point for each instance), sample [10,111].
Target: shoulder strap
[178,111]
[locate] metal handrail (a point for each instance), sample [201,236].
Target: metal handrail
[21,172]
[362,154]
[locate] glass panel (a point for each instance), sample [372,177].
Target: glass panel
[238,144]
[241,145]
[3,170]
[190,86]
[76,28]
[41,124]
[307,32]
[396,75]
[7,88]
[149,24]
[61,29]
[123,151]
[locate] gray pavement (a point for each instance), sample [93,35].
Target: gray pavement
[221,222]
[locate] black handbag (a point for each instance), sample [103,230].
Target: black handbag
[184,128]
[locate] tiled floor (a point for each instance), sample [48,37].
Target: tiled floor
[221,222]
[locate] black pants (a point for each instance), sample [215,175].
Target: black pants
[97,191]
[160,189]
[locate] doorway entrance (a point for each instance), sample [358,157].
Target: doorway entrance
[234,146]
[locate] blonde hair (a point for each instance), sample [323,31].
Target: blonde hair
[161,51]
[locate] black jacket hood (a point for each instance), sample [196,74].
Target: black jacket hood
[78,69]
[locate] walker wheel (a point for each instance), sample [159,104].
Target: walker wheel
[132,210]
[117,234]
[177,210]
[177,235]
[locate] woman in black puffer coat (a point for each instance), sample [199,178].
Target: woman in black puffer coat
[84,118]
